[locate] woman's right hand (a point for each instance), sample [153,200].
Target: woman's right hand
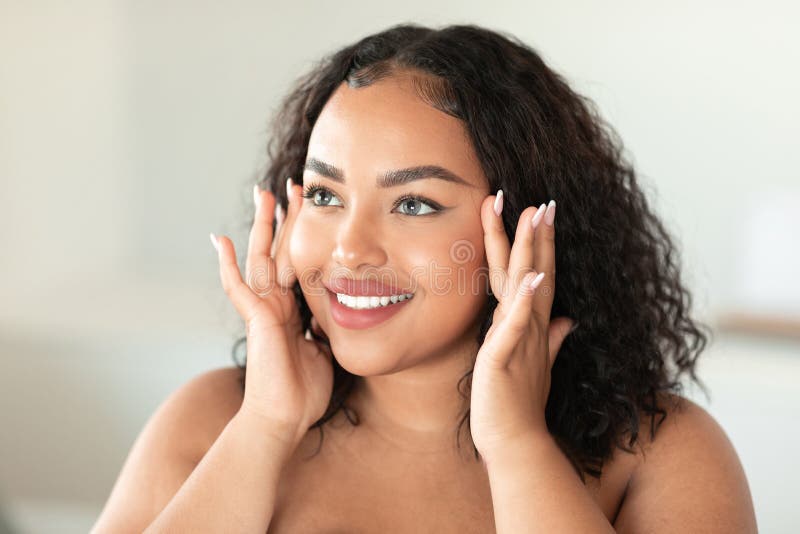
[289,377]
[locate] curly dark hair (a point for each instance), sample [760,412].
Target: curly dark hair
[536,139]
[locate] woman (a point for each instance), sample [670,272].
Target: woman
[403,301]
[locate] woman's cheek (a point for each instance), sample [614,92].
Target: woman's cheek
[454,265]
[306,249]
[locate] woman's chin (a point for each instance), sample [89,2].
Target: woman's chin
[364,360]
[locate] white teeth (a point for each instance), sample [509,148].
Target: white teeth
[364,302]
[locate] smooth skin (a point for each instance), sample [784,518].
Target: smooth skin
[690,480]
[196,435]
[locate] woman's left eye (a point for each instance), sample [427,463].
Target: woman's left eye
[417,206]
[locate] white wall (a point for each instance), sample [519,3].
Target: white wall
[129,130]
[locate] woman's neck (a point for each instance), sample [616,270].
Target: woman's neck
[417,410]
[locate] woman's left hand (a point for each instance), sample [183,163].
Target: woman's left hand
[511,377]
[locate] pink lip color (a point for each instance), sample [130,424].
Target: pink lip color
[359,319]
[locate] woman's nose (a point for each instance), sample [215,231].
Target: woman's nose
[358,243]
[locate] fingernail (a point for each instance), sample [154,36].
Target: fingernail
[550,216]
[214,241]
[538,216]
[278,214]
[536,281]
[289,189]
[256,196]
[498,203]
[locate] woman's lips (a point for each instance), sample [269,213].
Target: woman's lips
[366,318]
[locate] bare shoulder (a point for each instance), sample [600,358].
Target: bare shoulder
[688,477]
[197,412]
[171,444]
[208,402]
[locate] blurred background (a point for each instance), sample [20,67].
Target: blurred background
[129,130]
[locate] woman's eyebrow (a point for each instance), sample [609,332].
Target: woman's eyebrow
[392,178]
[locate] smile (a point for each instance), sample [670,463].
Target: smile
[359,312]
[370,302]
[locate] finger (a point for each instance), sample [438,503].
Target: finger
[518,318]
[243,299]
[520,262]
[496,244]
[514,325]
[260,241]
[544,260]
[284,269]
[279,216]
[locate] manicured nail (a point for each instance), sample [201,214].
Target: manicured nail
[289,189]
[538,216]
[214,241]
[498,203]
[256,196]
[550,216]
[536,281]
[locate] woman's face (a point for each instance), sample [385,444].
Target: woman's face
[357,228]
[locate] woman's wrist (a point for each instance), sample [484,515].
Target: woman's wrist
[283,435]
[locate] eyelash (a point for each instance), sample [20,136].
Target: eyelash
[312,188]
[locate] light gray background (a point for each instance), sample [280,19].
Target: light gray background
[129,130]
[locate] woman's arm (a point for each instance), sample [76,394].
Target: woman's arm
[535,489]
[195,461]
[689,480]
[233,488]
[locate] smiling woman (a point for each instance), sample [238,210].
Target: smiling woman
[409,292]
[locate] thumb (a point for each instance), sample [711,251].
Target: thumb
[558,331]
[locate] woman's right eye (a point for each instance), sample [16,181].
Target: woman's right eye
[319,195]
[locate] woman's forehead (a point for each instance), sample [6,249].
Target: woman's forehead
[387,126]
